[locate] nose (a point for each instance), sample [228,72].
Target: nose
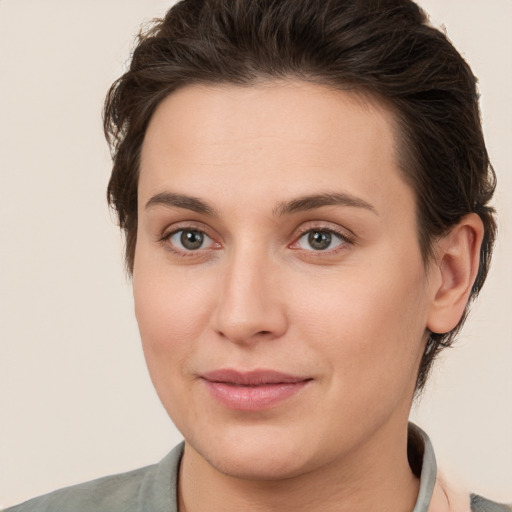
[250,305]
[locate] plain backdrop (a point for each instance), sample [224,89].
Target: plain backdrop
[76,401]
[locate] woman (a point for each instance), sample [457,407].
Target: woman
[305,190]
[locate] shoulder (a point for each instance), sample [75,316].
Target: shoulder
[112,493]
[479,504]
[149,489]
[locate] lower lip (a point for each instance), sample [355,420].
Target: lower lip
[253,398]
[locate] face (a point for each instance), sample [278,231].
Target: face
[279,287]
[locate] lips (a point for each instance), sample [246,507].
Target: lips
[252,391]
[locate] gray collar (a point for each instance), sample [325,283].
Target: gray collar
[428,470]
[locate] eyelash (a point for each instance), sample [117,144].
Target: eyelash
[165,241]
[346,239]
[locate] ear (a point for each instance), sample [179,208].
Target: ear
[457,256]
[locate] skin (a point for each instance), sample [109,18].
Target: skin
[352,318]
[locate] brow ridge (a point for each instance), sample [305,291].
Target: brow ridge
[175,200]
[300,204]
[314,201]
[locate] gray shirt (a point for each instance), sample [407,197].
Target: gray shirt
[153,488]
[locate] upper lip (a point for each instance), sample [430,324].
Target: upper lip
[257,377]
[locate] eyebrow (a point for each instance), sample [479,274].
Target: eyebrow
[173,200]
[314,201]
[300,204]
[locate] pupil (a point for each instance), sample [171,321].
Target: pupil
[191,239]
[319,240]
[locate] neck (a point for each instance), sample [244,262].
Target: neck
[375,476]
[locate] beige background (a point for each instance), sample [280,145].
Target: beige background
[75,398]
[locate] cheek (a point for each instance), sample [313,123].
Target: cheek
[368,325]
[172,312]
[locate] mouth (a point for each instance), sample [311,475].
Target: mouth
[252,391]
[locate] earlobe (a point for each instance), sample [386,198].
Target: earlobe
[455,268]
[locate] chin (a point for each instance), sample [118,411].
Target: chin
[249,456]
[259,465]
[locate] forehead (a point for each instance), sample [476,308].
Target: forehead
[293,135]
[309,113]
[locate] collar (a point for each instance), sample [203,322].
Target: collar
[419,447]
[435,494]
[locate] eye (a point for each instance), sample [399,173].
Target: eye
[189,239]
[320,240]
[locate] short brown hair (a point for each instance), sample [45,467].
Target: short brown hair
[384,48]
